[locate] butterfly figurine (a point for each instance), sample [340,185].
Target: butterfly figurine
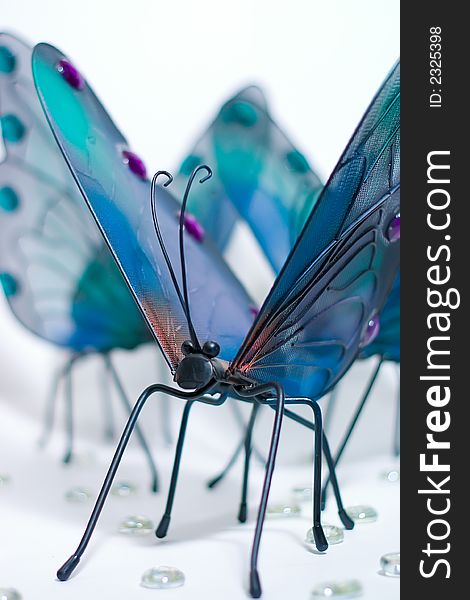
[59,278]
[261,178]
[315,319]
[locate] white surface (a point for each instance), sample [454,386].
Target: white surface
[38,529]
[163,69]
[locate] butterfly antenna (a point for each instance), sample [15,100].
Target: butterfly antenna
[181,240]
[156,224]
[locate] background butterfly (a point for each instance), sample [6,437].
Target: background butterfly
[59,278]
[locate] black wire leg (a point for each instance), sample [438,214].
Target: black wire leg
[345,519]
[241,423]
[69,423]
[351,428]
[109,428]
[243,511]
[49,415]
[233,459]
[255,584]
[128,408]
[70,565]
[214,482]
[162,528]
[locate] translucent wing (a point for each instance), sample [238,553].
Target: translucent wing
[258,176]
[321,307]
[387,342]
[59,277]
[115,186]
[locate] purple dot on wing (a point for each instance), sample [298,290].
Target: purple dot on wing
[193,227]
[393,229]
[372,330]
[135,163]
[71,74]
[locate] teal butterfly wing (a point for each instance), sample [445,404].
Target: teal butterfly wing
[259,177]
[114,184]
[323,306]
[60,279]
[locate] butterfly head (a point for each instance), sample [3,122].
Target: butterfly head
[199,365]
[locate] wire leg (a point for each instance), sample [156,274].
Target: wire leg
[162,528]
[239,418]
[345,519]
[69,566]
[255,584]
[68,413]
[242,513]
[233,459]
[318,533]
[343,515]
[128,408]
[351,428]
[49,415]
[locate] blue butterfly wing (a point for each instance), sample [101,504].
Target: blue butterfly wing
[120,202]
[59,277]
[259,176]
[315,319]
[387,342]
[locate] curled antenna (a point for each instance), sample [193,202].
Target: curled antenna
[181,239]
[183,299]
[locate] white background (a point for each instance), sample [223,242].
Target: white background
[163,69]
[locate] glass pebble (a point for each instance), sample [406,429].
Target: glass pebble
[9,594]
[392,476]
[390,564]
[4,479]
[136,525]
[161,578]
[123,489]
[362,513]
[78,495]
[350,588]
[302,493]
[276,511]
[334,535]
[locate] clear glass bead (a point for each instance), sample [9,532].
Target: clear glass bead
[279,511]
[302,493]
[78,495]
[334,535]
[392,475]
[390,564]
[338,589]
[4,479]
[361,513]
[162,578]
[123,489]
[9,594]
[136,525]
